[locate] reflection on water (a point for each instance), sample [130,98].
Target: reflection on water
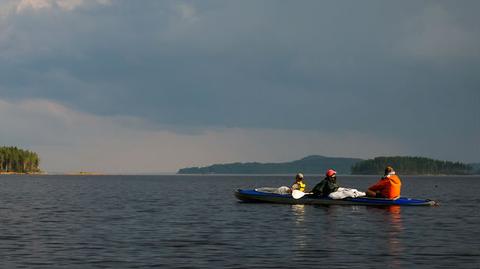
[148,222]
[331,227]
[395,247]
[299,213]
[300,234]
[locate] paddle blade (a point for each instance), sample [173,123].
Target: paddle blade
[296,194]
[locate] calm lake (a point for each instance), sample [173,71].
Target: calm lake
[196,222]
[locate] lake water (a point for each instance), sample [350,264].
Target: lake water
[196,222]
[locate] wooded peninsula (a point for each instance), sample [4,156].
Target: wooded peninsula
[316,164]
[15,160]
[411,166]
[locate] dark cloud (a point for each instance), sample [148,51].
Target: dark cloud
[407,70]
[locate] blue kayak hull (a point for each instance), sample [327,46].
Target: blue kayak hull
[254,196]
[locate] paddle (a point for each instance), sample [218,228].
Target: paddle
[296,194]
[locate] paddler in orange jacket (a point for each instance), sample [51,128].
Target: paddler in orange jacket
[387,187]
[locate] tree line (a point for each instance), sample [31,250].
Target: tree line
[15,160]
[314,164]
[411,166]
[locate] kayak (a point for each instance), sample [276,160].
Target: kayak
[254,196]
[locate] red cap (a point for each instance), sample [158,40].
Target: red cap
[331,172]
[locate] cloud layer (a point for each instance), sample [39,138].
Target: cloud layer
[402,73]
[74,141]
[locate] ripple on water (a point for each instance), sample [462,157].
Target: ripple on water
[142,222]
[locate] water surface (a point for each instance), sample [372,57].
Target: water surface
[195,221]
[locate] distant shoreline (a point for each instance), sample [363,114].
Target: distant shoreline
[62,174]
[318,164]
[307,175]
[22,173]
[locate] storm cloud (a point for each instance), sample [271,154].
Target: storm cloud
[404,73]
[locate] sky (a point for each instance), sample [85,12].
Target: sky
[122,86]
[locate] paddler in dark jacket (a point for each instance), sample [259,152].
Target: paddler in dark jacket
[327,185]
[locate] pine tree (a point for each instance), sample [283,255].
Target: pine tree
[13,159]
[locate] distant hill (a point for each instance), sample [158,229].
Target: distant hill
[411,166]
[314,164]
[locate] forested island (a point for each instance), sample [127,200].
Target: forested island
[317,164]
[411,166]
[15,160]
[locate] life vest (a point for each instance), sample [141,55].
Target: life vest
[301,185]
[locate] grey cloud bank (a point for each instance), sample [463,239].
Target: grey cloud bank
[404,72]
